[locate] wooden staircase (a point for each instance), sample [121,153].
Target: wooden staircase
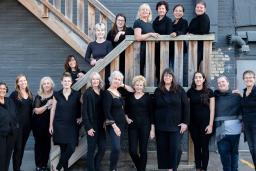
[77,36]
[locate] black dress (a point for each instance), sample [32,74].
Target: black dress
[8,126]
[24,109]
[171,109]
[145,28]
[111,36]
[40,128]
[199,120]
[140,112]
[67,111]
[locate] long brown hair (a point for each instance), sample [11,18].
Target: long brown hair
[174,85]
[17,88]
[66,65]
[205,95]
[114,29]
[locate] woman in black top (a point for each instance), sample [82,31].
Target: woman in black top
[117,34]
[93,117]
[143,29]
[40,123]
[248,105]
[202,105]
[171,119]
[113,107]
[23,100]
[139,118]
[162,25]
[64,119]
[200,25]
[8,126]
[71,66]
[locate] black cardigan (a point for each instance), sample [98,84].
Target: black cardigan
[171,109]
[199,25]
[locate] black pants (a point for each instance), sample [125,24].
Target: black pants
[66,151]
[6,149]
[19,146]
[42,150]
[97,141]
[168,149]
[201,146]
[138,137]
[250,133]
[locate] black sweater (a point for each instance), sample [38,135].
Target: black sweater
[199,25]
[111,36]
[248,105]
[164,26]
[8,120]
[92,109]
[171,109]
[181,27]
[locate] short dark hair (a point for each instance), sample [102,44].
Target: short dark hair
[201,2]
[66,74]
[5,84]
[165,3]
[248,72]
[178,5]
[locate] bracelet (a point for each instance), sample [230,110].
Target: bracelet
[46,106]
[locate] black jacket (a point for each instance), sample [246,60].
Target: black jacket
[199,25]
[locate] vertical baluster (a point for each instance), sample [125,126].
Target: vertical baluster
[164,56]
[150,63]
[46,10]
[115,65]
[178,61]
[102,74]
[80,14]
[104,19]
[57,4]
[69,9]
[91,21]
[207,59]
[192,60]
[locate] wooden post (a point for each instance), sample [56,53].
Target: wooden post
[129,61]
[178,61]
[115,65]
[164,56]
[57,4]
[104,19]
[192,60]
[207,59]
[102,74]
[150,63]
[91,21]
[69,9]
[46,10]
[80,14]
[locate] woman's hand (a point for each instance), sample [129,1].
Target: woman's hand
[152,134]
[208,129]
[79,120]
[173,34]
[49,103]
[128,120]
[93,62]
[91,132]
[183,127]
[117,131]
[155,35]
[51,129]
[118,35]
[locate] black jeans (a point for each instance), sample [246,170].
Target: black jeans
[97,141]
[6,149]
[42,150]
[201,146]
[19,146]
[66,151]
[168,149]
[138,136]
[228,149]
[250,133]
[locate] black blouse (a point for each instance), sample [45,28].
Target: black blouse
[200,25]
[181,27]
[113,107]
[163,26]
[139,110]
[40,122]
[8,120]
[111,36]
[24,109]
[199,111]
[171,109]
[248,105]
[92,109]
[67,111]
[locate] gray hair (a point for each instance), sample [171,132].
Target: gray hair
[41,90]
[223,76]
[89,84]
[100,26]
[145,5]
[115,74]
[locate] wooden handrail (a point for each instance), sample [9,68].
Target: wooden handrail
[68,22]
[114,54]
[103,10]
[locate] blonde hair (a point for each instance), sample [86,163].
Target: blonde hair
[40,91]
[17,88]
[115,74]
[100,26]
[138,78]
[89,84]
[145,5]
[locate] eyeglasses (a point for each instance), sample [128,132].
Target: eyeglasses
[3,89]
[247,78]
[120,20]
